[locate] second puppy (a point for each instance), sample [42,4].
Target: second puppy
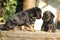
[48,23]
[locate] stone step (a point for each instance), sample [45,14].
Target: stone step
[27,35]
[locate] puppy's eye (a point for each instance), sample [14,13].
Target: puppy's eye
[46,15]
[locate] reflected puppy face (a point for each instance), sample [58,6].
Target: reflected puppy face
[47,16]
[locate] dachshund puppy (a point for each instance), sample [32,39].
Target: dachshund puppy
[26,18]
[48,23]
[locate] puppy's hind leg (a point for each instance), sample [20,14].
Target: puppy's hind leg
[16,29]
[23,27]
[54,29]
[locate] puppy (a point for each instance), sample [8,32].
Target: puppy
[48,23]
[26,18]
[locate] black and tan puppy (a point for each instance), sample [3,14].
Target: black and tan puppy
[25,18]
[48,23]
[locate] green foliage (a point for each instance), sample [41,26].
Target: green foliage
[8,9]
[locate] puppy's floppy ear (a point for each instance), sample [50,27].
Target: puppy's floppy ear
[52,15]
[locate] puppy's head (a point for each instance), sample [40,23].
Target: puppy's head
[47,16]
[37,12]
